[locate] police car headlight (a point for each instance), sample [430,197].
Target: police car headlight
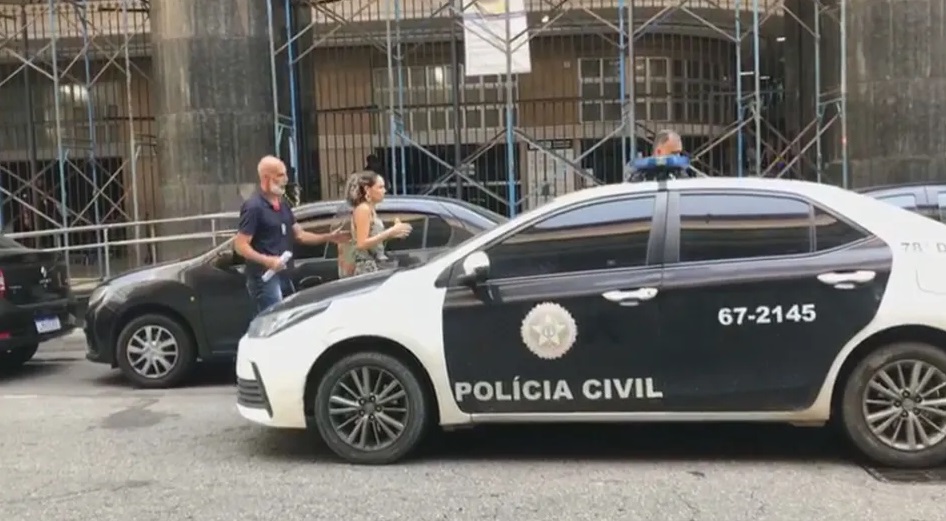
[268,325]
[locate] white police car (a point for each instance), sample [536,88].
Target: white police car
[708,299]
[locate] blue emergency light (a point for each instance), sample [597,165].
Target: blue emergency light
[661,163]
[657,168]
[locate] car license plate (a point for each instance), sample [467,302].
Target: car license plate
[47,325]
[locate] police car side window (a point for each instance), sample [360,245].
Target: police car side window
[831,232]
[742,226]
[605,235]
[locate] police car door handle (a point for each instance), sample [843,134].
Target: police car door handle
[635,295]
[847,280]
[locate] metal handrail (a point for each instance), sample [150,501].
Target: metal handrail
[149,239]
[100,227]
[143,240]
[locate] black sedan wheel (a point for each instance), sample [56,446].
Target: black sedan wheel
[155,352]
[894,406]
[370,408]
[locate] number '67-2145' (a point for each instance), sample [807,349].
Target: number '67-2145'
[778,314]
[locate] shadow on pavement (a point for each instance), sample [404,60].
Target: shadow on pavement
[34,369]
[206,375]
[689,442]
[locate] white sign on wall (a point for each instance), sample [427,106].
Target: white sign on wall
[487,42]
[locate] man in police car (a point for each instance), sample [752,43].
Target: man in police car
[666,143]
[267,229]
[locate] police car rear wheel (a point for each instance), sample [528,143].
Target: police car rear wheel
[894,405]
[370,408]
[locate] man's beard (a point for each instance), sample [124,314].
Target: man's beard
[277,189]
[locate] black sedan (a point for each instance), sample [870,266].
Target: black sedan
[156,322]
[924,198]
[36,303]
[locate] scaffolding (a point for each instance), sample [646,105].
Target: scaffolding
[74,144]
[502,103]
[572,91]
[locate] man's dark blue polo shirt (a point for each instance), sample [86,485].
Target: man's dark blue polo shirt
[269,226]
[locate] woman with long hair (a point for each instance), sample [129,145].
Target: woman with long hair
[365,252]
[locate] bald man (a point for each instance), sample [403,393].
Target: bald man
[667,143]
[267,229]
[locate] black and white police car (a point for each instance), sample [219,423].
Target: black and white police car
[706,299]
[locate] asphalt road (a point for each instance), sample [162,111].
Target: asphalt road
[77,444]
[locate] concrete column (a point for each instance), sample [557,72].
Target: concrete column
[213,103]
[896,64]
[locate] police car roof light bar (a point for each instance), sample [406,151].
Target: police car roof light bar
[656,168]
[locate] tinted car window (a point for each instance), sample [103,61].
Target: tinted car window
[490,215]
[414,241]
[439,232]
[317,251]
[742,226]
[905,201]
[831,232]
[605,235]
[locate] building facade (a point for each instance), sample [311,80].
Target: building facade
[161,108]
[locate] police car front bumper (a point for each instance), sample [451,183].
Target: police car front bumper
[270,384]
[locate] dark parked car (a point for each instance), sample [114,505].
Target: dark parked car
[156,322]
[925,198]
[36,303]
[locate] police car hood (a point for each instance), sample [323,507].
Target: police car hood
[334,289]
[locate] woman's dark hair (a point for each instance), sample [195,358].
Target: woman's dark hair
[358,186]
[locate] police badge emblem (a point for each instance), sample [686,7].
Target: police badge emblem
[549,331]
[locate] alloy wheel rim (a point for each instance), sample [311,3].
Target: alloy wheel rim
[904,405]
[368,408]
[152,351]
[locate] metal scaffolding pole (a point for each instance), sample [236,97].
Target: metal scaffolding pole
[81,13]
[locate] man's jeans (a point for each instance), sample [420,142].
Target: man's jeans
[265,294]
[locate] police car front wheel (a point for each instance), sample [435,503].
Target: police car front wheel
[894,405]
[370,408]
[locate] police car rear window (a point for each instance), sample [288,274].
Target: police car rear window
[742,226]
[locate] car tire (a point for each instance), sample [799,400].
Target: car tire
[16,359]
[854,405]
[411,410]
[162,328]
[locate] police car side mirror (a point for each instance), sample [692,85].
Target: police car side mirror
[475,268]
